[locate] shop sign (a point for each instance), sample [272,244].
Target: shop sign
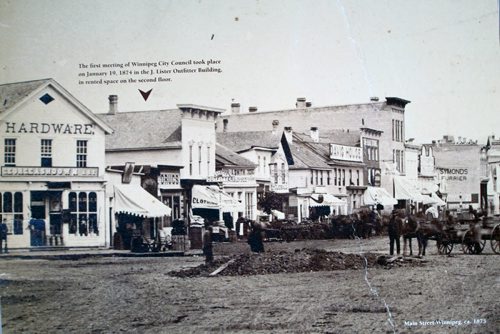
[50,171]
[169,180]
[279,188]
[52,128]
[346,153]
[225,177]
[454,174]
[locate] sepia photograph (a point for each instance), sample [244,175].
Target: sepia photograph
[249,166]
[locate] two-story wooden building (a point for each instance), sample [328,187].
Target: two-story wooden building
[52,185]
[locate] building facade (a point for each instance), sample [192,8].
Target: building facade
[52,183]
[387,116]
[459,166]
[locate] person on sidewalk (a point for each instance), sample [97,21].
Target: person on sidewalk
[3,236]
[207,245]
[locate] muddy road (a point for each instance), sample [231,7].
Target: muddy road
[457,294]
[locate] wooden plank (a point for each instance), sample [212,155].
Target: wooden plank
[221,268]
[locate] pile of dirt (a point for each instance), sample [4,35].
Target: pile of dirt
[282,262]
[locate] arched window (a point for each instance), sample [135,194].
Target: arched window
[83,220]
[72,202]
[92,202]
[82,202]
[18,202]
[11,210]
[7,202]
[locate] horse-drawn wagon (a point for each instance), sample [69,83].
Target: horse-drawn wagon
[472,235]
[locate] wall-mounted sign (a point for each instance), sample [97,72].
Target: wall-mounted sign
[225,177]
[454,174]
[169,180]
[279,188]
[50,171]
[53,128]
[346,153]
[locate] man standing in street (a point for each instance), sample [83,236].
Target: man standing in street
[207,246]
[3,236]
[394,230]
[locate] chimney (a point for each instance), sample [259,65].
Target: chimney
[301,102]
[309,104]
[275,125]
[235,108]
[252,109]
[289,134]
[314,134]
[113,104]
[374,98]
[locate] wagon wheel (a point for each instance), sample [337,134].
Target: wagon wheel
[445,247]
[495,239]
[469,246]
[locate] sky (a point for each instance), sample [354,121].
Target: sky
[443,56]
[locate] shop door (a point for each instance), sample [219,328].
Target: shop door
[55,218]
[38,216]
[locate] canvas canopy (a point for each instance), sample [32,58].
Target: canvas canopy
[278,214]
[406,190]
[211,197]
[438,201]
[328,200]
[134,200]
[376,195]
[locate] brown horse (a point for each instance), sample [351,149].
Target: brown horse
[421,229]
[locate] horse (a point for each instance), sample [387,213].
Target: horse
[421,229]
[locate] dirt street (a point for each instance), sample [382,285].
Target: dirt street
[457,294]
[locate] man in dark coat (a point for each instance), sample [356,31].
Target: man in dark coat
[394,230]
[207,245]
[255,239]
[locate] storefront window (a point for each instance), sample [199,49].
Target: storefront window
[11,209]
[83,221]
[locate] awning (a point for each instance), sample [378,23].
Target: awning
[434,199]
[211,197]
[328,200]
[134,200]
[278,214]
[406,190]
[376,195]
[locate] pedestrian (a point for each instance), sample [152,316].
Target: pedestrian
[240,224]
[394,232]
[255,239]
[207,245]
[3,235]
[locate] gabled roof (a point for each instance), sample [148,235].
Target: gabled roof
[306,157]
[152,129]
[315,155]
[230,158]
[13,95]
[242,141]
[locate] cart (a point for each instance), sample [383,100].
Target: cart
[472,236]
